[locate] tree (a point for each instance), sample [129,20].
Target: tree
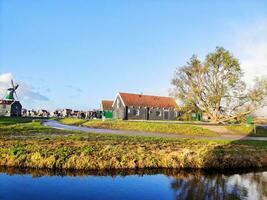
[215,87]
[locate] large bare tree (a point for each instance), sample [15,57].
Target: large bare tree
[215,87]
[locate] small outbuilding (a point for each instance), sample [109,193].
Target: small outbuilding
[144,107]
[106,109]
[10,108]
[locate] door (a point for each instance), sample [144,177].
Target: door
[166,115]
[126,113]
[147,113]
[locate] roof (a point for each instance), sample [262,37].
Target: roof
[6,102]
[106,104]
[148,100]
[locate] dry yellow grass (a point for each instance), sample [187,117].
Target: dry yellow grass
[93,151]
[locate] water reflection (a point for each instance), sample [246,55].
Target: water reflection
[148,184]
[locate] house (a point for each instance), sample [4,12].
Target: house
[106,109]
[66,112]
[144,107]
[10,108]
[43,113]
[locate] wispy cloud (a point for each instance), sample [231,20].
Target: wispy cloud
[250,46]
[25,91]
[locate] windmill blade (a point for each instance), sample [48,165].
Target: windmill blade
[12,83]
[16,95]
[16,86]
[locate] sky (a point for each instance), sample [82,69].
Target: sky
[73,54]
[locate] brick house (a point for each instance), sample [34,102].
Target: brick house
[144,107]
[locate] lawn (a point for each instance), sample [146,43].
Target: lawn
[78,150]
[181,129]
[248,130]
[13,120]
[72,121]
[24,126]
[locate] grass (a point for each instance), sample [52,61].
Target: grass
[92,151]
[247,130]
[78,150]
[241,129]
[24,127]
[182,129]
[72,121]
[13,120]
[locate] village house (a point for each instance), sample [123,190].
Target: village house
[144,107]
[66,112]
[106,109]
[10,108]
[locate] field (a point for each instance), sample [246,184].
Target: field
[248,130]
[30,144]
[181,129]
[24,126]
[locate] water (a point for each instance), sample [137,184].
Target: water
[149,184]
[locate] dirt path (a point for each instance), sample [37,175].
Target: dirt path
[57,125]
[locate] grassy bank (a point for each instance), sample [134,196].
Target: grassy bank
[24,127]
[90,151]
[248,130]
[13,120]
[72,121]
[20,146]
[182,129]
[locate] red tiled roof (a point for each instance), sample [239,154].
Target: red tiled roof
[148,101]
[6,102]
[107,105]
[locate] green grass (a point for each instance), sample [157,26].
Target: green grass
[94,151]
[24,126]
[72,121]
[241,129]
[13,120]
[182,129]
[79,150]
[247,130]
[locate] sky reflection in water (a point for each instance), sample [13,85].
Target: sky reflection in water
[146,184]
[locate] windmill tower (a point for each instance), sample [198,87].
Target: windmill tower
[9,106]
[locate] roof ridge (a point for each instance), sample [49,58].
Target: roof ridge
[147,100]
[146,95]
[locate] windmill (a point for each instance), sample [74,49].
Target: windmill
[11,91]
[9,106]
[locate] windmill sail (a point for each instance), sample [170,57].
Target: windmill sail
[11,91]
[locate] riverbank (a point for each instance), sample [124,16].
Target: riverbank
[37,146]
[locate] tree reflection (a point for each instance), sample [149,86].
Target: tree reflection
[185,184]
[218,186]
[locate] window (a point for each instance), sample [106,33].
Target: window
[158,113]
[136,112]
[177,114]
[129,110]
[118,103]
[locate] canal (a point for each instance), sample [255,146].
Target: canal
[18,184]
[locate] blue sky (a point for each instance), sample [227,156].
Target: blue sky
[75,53]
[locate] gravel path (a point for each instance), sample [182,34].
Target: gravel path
[57,125]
